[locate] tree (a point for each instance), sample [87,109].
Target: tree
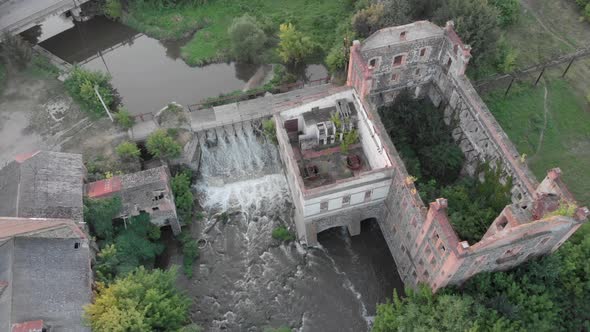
[141,301]
[368,20]
[247,39]
[294,46]
[99,214]
[420,310]
[476,22]
[80,85]
[16,53]
[137,244]
[106,264]
[161,145]
[396,12]
[128,151]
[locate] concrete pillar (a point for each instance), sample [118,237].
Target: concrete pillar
[311,235]
[354,228]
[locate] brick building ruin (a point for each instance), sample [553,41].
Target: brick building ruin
[430,61]
[146,191]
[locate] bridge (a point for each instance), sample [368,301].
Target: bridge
[17,16]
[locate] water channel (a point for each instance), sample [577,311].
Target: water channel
[244,280]
[149,73]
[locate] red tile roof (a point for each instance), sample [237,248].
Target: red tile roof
[30,326]
[104,187]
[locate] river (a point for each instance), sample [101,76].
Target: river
[245,280]
[149,73]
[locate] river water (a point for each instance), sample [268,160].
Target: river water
[246,281]
[149,73]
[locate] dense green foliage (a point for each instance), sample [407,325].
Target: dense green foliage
[420,310]
[137,244]
[141,301]
[585,6]
[282,233]
[550,293]
[183,197]
[160,145]
[190,252]
[128,151]
[99,214]
[430,154]
[508,11]
[247,39]
[125,245]
[473,204]
[80,85]
[423,139]
[294,46]
[211,19]
[15,52]
[476,22]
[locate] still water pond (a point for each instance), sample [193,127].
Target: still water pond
[149,73]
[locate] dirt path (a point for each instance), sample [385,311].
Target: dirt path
[545,112]
[529,6]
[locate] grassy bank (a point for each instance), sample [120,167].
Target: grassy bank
[563,118]
[318,19]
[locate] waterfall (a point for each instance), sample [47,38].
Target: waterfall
[240,171]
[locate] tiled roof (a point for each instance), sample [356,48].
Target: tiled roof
[38,227]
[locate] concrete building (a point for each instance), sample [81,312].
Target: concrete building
[430,61]
[332,188]
[146,191]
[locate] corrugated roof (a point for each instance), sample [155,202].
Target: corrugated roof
[38,227]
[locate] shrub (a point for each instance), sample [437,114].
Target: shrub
[80,85]
[161,145]
[183,197]
[128,151]
[190,252]
[124,118]
[247,39]
[113,9]
[350,138]
[282,233]
[16,53]
[269,129]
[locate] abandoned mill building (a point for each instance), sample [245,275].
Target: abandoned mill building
[331,187]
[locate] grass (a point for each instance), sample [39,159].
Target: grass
[316,18]
[566,141]
[41,67]
[2,76]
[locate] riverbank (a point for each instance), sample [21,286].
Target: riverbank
[210,43]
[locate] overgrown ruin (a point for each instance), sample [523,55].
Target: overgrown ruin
[430,61]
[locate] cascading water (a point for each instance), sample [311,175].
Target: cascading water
[246,280]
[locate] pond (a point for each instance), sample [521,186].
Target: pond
[149,73]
